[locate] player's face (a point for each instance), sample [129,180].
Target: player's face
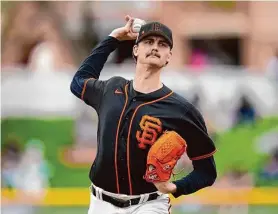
[154,51]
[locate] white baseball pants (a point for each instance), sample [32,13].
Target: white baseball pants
[161,205]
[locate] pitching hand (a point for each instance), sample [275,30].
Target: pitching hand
[125,32]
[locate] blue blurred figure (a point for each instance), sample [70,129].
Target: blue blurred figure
[246,112]
[270,171]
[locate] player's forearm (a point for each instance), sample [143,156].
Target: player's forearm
[93,64]
[203,175]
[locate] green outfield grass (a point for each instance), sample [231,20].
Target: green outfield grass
[236,147]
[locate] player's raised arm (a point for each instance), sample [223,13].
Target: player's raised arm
[89,71]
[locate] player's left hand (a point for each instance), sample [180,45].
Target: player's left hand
[165,187]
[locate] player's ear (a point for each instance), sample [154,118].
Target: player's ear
[169,57]
[135,50]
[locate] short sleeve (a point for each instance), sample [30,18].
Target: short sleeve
[92,92]
[194,131]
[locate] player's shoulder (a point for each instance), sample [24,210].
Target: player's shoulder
[181,101]
[116,81]
[185,104]
[190,111]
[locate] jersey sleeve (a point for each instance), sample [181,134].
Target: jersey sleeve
[194,131]
[92,92]
[85,84]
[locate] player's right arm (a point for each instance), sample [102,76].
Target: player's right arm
[85,84]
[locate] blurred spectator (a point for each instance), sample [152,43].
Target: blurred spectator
[198,59]
[53,52]
[11,155]
[246,112]
[17,41]
[272,72]
[28,25]
[78,21]
[270,171]
[272,68]
[33,170]
[25,171]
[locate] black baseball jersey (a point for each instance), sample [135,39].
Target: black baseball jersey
[130,122]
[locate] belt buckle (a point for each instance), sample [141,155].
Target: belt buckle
[127,203]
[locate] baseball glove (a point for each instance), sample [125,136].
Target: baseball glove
[163,156]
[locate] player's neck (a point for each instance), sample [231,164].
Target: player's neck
[147,80]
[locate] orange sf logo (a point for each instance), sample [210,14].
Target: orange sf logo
[151,127]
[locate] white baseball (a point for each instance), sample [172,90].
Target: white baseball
[137,23]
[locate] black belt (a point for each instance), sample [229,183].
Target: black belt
[123,203]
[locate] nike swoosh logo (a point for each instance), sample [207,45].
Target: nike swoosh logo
[117,91]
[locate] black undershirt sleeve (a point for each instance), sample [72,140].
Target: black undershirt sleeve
[203,175]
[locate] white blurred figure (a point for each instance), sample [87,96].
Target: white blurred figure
[42,58]
[30,177]
[33,170]
[272,72]
[11,156]
[272,68]
[53,53]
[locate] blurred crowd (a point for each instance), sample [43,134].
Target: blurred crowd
[23,169]
[57,35]
[45,35]
[270,170]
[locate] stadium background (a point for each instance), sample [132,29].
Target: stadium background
[225,62]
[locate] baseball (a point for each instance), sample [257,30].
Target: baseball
[137,23]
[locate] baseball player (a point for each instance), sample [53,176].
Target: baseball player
[144,127]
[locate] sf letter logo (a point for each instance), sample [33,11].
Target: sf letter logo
[156,26]
[150,128]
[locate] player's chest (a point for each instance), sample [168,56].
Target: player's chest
[141,121]
[147,123]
